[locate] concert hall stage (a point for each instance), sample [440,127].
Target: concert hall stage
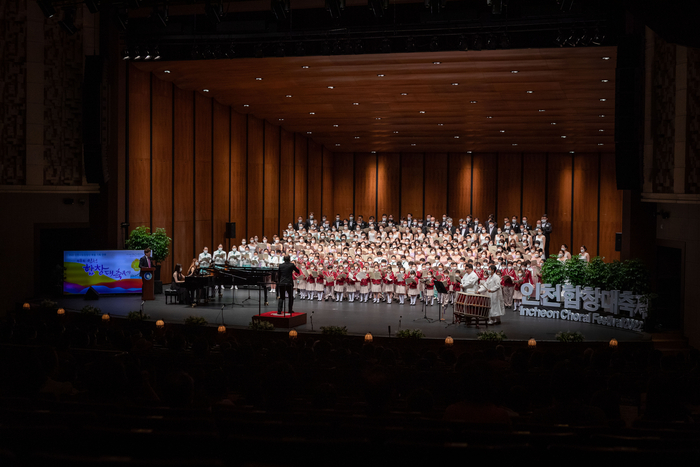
[359,318]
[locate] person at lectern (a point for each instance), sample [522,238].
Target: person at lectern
[285,284]
[145,261]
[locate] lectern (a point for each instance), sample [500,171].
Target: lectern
[147,287]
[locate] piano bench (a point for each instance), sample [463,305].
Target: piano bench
[170,293]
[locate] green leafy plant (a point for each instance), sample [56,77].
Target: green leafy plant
[410,334]
[195,321]
[553,271]
[137,316]
[596,273]
[575,271]
[258,325]
[89,310]
[496,336]
[566,336]
[49,304]
[334,330]
[634,277]
[141,237]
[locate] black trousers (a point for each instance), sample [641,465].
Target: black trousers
[281,290]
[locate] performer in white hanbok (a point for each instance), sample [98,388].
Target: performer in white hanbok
[470,281]
[493,288]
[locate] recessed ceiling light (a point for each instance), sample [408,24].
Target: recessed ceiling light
[529,92]
[421,111]
[380,75]
[469,152]
[455,84]
[258,79]
[335,125]
[440,124]
[305,66]
[281,119]
[489,117]
[396,132]
[606,58]
[563,136]
[373,152]
[553,123]
[515,144]
[404,94]
[601,115]
[600,144]
[355,103]
[166,71]
[413,144]
[308,132]
[472,102]
[604,80]
[312,113]
[514,71]
[246,105]
[288,95]
[456,137]
[541,110]
[436,63]
[377,118]
[205,90]
[337,144]
[603,100]
[502,131]
[331,87]
[571,152]
[601,130]
[357,137]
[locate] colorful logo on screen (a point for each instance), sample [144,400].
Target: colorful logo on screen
[108,272]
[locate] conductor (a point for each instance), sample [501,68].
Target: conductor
[285,284]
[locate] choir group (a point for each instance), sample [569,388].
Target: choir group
[402,262]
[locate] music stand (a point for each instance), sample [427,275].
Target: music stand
[425,312]
[440,286]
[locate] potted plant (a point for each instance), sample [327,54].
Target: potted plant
[141,238]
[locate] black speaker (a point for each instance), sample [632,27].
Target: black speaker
[91,294]
[618,241]
[230,230]
[92,135]
[629,113]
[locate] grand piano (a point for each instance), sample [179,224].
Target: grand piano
[246,276]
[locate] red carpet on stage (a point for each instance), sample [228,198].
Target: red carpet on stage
[288,320]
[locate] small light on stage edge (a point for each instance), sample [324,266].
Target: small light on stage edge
[532,343]
[373,152]
[105,317]
[160,324]
[60,312]
[613,343]
[601,130]
[26,307]
[293,334]
[377,118]
[469,152]
[449,341]
[368,338]
[222,329]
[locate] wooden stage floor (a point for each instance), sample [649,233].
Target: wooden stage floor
[359,318]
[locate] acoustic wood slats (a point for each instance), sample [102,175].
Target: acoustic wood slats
[343,188]
[287,167]
[183,189]
[435,196]
[203,173]
[585,203]
[301,175]
[412,184]
[328,188]
[162,151]
[255,177]
[460,181]
[610,209]
[315,178]
[534,187]
[238,178]
[509,189]
[221,175]
[560,167]
[139,145]
[484,188]
[365,185]
[271,179]
[388,184]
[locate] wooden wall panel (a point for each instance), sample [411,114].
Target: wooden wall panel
[162,176]
[389,184]
[365,185]
[271,181]
[203,172]
[222,172]
[484,189]
[343,187]
[139,148]
[315,179]
[255,177]
[460,182]
[559,195]
[435,184]
[301,176]
[239,174]
[585,203]
[412,184]
[286,179]
[509,178]
[534,178]
[183,189]
[610,209]
[327,195]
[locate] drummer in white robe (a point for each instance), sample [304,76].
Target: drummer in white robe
[493,289]
[470,281]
